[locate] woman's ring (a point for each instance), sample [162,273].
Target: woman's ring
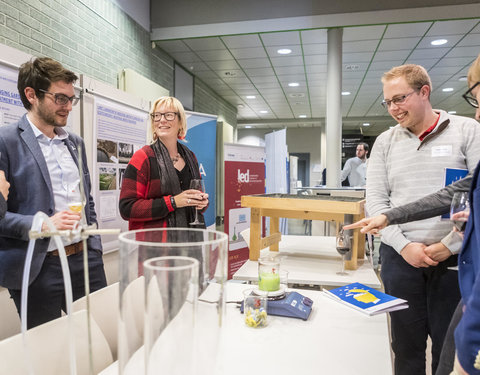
[188,201]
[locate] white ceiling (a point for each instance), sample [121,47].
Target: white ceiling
[235,66]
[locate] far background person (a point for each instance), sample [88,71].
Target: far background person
[355,169]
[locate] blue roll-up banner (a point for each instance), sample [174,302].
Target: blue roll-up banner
[202,140]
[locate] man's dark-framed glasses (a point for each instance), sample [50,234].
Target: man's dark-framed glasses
[470,98]
[157,116]
[62,99]
[396,100]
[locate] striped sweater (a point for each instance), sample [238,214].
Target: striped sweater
[403,169]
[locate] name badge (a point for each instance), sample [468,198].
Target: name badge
[445,150]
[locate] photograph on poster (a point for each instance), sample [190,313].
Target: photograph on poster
[107,178]
[106,151]
[125,152]
[121,171]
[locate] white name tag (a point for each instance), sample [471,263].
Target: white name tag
[445,150]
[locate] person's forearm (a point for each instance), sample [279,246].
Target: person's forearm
[434,204]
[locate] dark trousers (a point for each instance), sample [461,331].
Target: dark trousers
[46,294]
[432,294]
[447,357]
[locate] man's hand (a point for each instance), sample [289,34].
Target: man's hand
[414,254]
[63,220]
[370,225]
[438,252]
[4,185]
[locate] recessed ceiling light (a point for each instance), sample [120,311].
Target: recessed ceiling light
[284,51]
[463,78]
[302,116]
[438,42]
[293,84]
[250,96]
[248,126]
[452,112]
[263,111]
[296,95]
[351,67]
[447,89]
[366,124]
[344,93]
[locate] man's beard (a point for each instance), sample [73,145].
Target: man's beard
[49,117]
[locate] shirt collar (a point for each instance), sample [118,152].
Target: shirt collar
[429,130]
[60,133]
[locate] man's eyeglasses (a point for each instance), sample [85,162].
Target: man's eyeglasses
[169,116]
[62,99]
[470,98]
[397,100]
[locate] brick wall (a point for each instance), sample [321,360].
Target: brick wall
[96,38]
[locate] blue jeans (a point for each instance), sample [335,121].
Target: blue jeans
[46,294]
[432,294]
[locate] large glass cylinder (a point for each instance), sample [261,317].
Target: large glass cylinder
[136,247]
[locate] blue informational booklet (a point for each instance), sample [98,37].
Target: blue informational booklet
[452,175]
[365,299]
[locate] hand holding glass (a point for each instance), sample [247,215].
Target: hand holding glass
[343,247]
[197,184]
[460,210]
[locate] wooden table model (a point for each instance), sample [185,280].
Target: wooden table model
[309,207]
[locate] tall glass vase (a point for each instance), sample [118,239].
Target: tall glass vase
[209,248]
[171,292]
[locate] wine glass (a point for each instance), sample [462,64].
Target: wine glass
[343,247]
[197,184]
[460,210]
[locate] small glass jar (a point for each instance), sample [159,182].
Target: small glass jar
[269,273]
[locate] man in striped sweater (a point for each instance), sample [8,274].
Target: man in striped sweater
[408,162]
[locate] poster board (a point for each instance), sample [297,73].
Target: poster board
[115,126]
[244,175]
[201,139]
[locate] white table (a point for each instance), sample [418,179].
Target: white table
[313,260]
[334,340]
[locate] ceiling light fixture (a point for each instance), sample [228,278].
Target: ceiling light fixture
[463,79]
[302,116]
[366,124]
[263,111]
[250,96]
[240,106]
[296,95]
[438,42]
[248,126]
[293,84]
[452,112]
[284,51]
[344,93]
[447,89]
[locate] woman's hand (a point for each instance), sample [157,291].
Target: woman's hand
[191,198]
[370,225]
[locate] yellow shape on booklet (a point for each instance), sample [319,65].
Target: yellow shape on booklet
[364,296]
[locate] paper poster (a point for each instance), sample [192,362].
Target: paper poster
[11,107]
[120,130]
[244,175]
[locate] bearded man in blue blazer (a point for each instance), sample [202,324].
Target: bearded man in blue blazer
[40,160]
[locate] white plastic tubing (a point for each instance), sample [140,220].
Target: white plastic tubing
[38,221]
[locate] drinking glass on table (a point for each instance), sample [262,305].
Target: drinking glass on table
[343,247]
[197,184]
[460,210]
